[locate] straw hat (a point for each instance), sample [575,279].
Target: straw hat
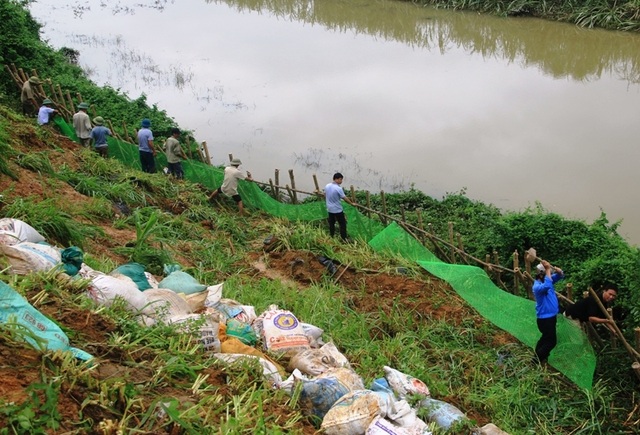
[34,80]
[98,120]
[235,162]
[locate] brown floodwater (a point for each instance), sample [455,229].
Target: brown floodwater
[516,112]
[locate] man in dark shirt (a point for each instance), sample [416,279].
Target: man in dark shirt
[588,310]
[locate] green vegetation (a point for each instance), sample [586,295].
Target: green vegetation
[607,14]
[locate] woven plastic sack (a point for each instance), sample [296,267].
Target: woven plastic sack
[28,257]
[181,282]
[135,271]
[14,231]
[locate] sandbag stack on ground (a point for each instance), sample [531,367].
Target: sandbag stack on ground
[14,231]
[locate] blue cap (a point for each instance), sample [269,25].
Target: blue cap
[146,123]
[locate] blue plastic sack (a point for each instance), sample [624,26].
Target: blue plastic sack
[15,308]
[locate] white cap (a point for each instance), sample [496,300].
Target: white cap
[540,267]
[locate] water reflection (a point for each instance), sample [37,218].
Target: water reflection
[560,50]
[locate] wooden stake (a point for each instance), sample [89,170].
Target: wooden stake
[277,178]
[636,332]
[205,148]
[294,198]
[451,243]
[113,131]
[126,132]
[368,204]
[187,140]
[286,186]
[384,207]
[70,101]
[315,183]
[273,190]
[516,266]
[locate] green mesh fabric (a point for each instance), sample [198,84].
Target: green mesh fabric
[573,355]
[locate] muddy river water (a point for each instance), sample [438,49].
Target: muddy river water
[513,111]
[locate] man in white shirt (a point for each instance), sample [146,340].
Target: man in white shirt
[230,184]
[334,195]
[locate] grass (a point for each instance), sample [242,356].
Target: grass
[162,380]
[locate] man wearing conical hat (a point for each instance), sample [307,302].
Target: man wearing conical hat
[230,183]
[99,135]
[28,96]
[82,124]
[46,112]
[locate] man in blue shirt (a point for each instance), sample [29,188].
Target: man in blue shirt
[334,195]
[146,148]
[99,135]
[547,308]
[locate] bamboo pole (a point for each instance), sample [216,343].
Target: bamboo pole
[636,332]
[286,186]
[516,266]
[353,193]
[569,288]
[273,189]
[60,97]
[13,77]
[186,140]
[634,353]
[315,183]
[487,261]
[384,207]
[22,75]
[206,152]
[199,149]
[70,101]
[451,243]
[79,97]
[126,132]
[404,218]
[292,191]
[277,178]
[113,131]
[368,201]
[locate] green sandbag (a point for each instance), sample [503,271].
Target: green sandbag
[181,282]
[72,259]
[135,271]
[242,332]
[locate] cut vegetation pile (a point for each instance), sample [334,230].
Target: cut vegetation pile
[378,310]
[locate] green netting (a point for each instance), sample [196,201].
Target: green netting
[573,355]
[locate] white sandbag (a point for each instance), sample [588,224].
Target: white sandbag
[318,394]
[442,413]
[153,282]
[314,362]
[166,303]
[28,257]
[207,332]
[196,301]
[353,413]
[214,294]
[280,330]
[403,384]
[490,429]
[104,289]
[314,333]
[402,415]
[382,426]
[14,231]
[269,370]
